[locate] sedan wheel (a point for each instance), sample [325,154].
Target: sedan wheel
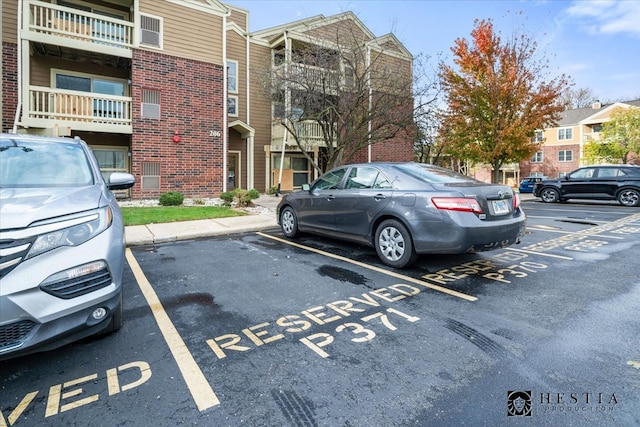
[289,223]
[549,195]
[394,245]
[629,197]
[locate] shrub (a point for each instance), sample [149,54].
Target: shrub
[242,197]
[272,190]
[171,198]
[227,198]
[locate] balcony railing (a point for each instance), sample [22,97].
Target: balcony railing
[595,136]
[49,22]
[80,110]
[309,132]
[307,76]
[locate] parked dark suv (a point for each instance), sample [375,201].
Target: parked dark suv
[611,182]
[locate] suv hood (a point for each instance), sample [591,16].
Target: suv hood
[21,207]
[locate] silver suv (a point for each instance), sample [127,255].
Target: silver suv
[61,244]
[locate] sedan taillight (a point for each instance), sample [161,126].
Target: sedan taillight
[516,201]
[463,204]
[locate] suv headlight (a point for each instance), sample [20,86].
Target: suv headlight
[82,230]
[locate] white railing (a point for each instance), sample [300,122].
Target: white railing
[309,133]
[58,105]
[595,136]
[51,19]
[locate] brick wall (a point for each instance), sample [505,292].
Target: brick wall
[9,84]
[191,102]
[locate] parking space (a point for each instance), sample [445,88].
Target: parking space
[256,329]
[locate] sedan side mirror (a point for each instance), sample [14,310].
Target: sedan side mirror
[306,187]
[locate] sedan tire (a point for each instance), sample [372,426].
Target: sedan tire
[394,245]
[289,223]
[549,195]
[629,197]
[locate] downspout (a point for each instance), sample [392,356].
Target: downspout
[250,140]
[225,94]
[286,105]
[369,127]
[19,69]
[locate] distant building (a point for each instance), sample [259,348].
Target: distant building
[163,89]
[562,146]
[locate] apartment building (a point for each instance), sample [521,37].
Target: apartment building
[562,146]
[168,90]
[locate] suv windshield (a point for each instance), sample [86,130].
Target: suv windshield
[30,164]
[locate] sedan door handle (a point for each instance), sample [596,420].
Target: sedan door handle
[331,197]
[379,197]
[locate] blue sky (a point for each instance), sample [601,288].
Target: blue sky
[595,42]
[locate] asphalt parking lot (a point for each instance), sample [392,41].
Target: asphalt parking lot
[253,329]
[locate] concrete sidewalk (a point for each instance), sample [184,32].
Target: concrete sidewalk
[184,230]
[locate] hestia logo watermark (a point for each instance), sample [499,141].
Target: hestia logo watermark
[523,403]
[519,403]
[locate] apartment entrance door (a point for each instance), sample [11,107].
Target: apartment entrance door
[233,171]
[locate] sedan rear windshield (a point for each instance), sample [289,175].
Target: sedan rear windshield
[434,174]
[30,164]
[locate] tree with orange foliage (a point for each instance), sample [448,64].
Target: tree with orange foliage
[498,98]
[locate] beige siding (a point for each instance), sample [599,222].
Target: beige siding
[236,51]
[187,33]
[342,32]
[240,19]
[9,21]
[260,112]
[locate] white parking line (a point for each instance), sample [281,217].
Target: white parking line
[586,221]
[511,248]
[582,211]
[197,384]
[376,269]
[550,230]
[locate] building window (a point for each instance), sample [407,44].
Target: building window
[150,104]
[112,159]
[539,136]
[537,158]
[565,134]
[150,31]
[150,176]
[232,105]
[232,76]
[79,107]
[565,155]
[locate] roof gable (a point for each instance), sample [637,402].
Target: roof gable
[588,115]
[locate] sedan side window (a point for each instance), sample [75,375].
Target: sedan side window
[362,177]
[330,181]
[382,182]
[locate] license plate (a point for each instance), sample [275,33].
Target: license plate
[500,207]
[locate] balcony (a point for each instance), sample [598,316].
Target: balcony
[50,108]
[594,136]
[48,24]
[309,132]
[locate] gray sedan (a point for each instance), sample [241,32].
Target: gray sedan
[61,244]
[404,210]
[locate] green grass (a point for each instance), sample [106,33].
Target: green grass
[160,214]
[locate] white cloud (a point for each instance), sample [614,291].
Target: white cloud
[607,16]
